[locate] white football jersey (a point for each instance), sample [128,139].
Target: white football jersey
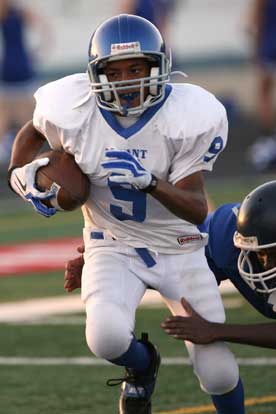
[174,139]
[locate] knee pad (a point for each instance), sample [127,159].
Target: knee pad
[108,330]
[216,368]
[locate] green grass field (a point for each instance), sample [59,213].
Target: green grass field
[68,388]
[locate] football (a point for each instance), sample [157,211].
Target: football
[63,176]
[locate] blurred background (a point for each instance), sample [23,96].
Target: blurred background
[227,47]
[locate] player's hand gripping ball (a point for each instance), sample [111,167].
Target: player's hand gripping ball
[63,177]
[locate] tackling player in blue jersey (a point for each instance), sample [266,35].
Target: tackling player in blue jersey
[242,248]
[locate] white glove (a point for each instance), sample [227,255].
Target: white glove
[126,169]
[22,181]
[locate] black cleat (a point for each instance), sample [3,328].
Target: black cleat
[137,386]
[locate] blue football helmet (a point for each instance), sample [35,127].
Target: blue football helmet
[256,230]
[124,37]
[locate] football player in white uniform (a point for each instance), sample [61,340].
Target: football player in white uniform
[143,142]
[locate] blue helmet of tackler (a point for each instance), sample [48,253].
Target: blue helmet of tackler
[256,230]
[124,37]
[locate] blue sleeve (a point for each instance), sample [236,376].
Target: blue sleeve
[219,275]
[220,252]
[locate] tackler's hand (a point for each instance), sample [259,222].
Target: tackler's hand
[22,182]
[191,328]
[124,168]
[73,271]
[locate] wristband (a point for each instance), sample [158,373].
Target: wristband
[9,173]
[152,185]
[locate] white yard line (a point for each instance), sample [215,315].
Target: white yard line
[36,309]
[39,309]
[168,361]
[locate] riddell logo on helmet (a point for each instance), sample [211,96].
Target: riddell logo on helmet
[125,47]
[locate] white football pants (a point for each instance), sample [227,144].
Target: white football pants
[114,281]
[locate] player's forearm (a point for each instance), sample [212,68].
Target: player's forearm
[187,205]
[27,144]
[263,335]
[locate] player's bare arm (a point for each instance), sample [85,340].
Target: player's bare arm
[198,330]
[186,199]
[27,144]
[262,334]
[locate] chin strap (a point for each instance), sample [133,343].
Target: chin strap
[128,97]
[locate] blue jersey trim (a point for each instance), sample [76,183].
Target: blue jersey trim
[140,123]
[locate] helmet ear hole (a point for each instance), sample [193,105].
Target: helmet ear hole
[153,89]
[107,92]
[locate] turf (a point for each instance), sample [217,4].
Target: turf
[82,389]
[36,285]
[26,225]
